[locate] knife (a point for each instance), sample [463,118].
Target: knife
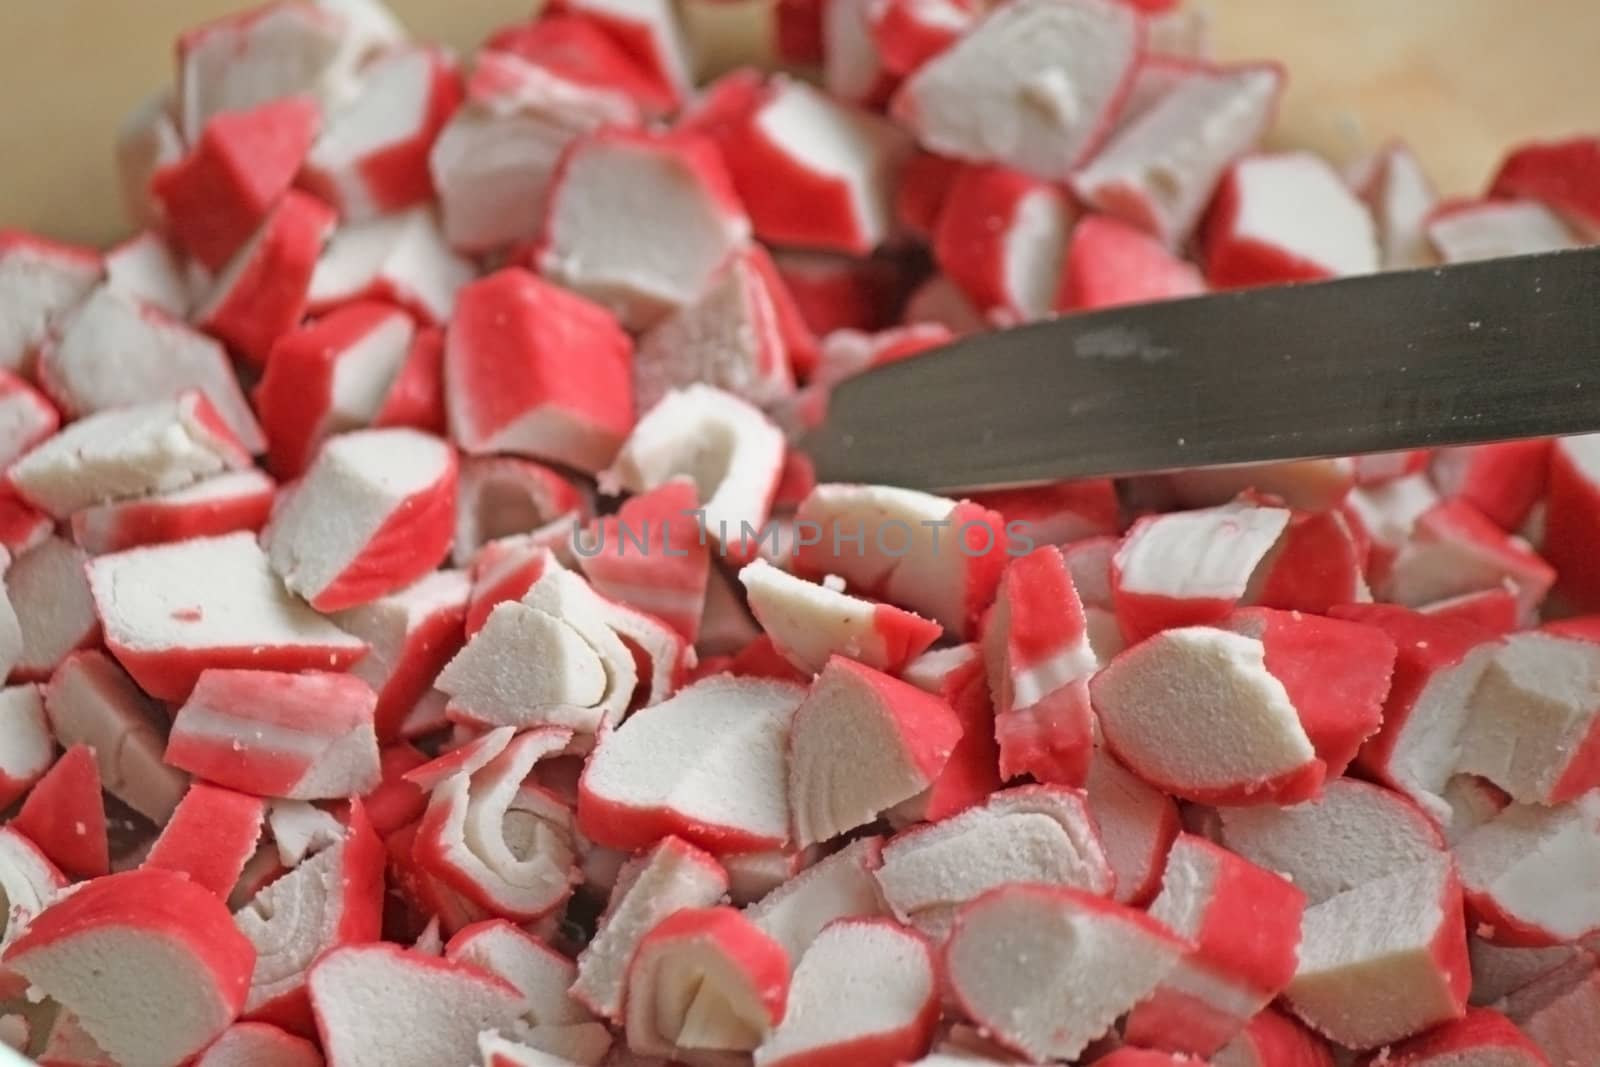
[1484,351]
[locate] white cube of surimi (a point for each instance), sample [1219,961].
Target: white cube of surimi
[1189,567]
[1035,86]
[928,554]
[27,746]
[1401,198]
[127,452]
[1354,833]
[860,743]
[40,280]
[1232,736]
[539,972]
[1486,229]
[148,269]
[1136,824]
[375,512]
[147,139]
[246,1043]
[593,198]
[30,882]
[730,337]
[113,352]
[707,765]
[149,962]
[299,736]
[171,611]
[838,887]
[1286,217]
[1516,872]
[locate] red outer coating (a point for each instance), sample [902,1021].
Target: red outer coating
[213,199]
[519,346]
[416,396]
[1110,263]
[268,297]
[1277,1040]
[65,816]
[296,392]
[210,837]
[1564,175]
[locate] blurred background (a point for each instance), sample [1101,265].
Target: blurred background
[1460,79]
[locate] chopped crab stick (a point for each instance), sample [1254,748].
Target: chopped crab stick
[860,743]
[148,962]
[128,452]
[671,876]
[1035,86]
[506,849]
[1354,833]
[680,436]
[1190,567]
[1046,970]
[707,765]
[303,736]
[514,383]
[222,504]
[591,240]
[113,351]
[1386,959]
[808,622]
[1244,922]
[865,992]
[705,979]
[1232,736]
[172,611]
[379,1004]
[91,701]
[1034,833]
[333,897]
[938,557]
[211,836]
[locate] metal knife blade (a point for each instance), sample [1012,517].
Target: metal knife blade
[1483,351]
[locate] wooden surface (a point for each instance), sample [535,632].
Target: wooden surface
[1459,78]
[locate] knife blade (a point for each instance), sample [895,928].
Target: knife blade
[1475,352]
